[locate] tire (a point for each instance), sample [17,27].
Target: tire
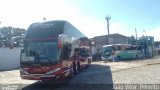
[137,57]
[119,58]
[71,73]
[78,67]
[89,62]
[74,69]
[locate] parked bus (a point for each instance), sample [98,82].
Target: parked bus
[16,41]
[121,51]
[49,50]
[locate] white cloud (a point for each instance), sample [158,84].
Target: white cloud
[155,33]
[118,27]
[89,26]
[21,13]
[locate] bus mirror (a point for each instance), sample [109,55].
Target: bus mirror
[60,41]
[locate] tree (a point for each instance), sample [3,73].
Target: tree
[6,33]
[132,40]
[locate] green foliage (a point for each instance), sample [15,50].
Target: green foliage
[6,33]
[132,40]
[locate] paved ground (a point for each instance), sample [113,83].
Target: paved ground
[142,75]
[100,75]
[9,58]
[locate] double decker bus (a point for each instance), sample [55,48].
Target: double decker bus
[49,50]
[121,51]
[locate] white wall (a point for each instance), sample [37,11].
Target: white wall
[9,58]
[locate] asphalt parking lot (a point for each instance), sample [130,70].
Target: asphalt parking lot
[100,75]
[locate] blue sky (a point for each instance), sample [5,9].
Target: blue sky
[139,14]
[143,14]
[87,15]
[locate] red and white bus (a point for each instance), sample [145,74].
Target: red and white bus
[49,51]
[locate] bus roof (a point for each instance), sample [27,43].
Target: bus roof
[55,28]
[119,45]
[107,45]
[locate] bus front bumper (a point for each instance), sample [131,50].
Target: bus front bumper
[38,77]
[60,76]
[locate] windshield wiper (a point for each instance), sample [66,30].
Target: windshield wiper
[49,60]
[38,59]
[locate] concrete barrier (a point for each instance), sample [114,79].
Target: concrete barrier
[9,58]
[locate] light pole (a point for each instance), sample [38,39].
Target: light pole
[108,18]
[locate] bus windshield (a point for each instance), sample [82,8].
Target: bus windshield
[44,53]
[83,52]
[107,50]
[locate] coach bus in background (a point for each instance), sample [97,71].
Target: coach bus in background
[48,51]
[121,51]
[16,41]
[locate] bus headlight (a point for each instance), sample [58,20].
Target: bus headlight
[53,71]
[23,71]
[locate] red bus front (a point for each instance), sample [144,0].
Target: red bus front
[40,61]
[47,52]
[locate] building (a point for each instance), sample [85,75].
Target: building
[116,38]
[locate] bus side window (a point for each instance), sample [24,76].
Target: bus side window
[66,51]
[113,51]
[83,53]
[113,48]
[139,48]
[119,48]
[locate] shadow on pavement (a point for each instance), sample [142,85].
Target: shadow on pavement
[95,77]
[43,86]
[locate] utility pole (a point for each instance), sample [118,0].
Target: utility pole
[136,33]
[108,18]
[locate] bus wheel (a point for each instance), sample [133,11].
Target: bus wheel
[137,57]
[118,58]
[89,62]
[78,67]
[71,73]
[74,69]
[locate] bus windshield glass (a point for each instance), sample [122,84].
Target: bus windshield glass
[41,52]
[83,52]
[107,50]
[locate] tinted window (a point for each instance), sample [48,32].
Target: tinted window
[44,30]
[42,52]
